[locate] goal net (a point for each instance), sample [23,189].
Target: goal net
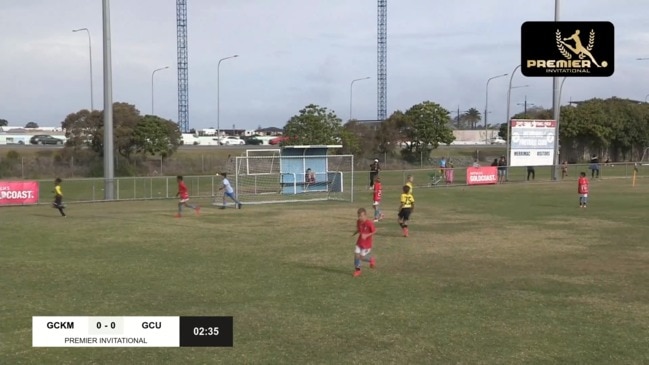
[272,178]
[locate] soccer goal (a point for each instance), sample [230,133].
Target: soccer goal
[276,178]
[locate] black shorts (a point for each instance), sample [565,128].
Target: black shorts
[58,200]
[404,213]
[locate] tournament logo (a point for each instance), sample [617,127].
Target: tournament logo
[588,51]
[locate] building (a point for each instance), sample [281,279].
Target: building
[269,131]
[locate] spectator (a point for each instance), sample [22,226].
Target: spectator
[495,163]
[530,172]
[502,169]
[476,164]
[564,169]
[375,168]
[594,167]
[309,178]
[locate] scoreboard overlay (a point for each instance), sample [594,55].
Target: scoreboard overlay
[132,331]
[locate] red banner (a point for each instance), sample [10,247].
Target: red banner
[481,175]
[18,192]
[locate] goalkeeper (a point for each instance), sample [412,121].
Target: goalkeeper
[229,191]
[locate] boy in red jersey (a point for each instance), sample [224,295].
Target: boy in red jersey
[582,190]
[183,194]
[365,230]
[377,199]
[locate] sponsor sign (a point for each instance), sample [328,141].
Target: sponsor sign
[18,192]
[567,49]
[481,175]
[532,142]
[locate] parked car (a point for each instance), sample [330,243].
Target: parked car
[45,139]
[230,140]
[498,140]
[278,140]
[254,141]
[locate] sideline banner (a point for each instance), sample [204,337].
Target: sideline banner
[481,175]
[18,192]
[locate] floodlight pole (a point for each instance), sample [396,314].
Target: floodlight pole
[109,160]
[556,107]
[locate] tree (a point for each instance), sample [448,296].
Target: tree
[427,126]
[156,136]
[388,136]
[4,123]
[81,127]
[31,125]
[358,138]
[313,125]
[471,118]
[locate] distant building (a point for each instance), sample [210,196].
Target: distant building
[270,131]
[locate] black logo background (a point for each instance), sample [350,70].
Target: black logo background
[538,42]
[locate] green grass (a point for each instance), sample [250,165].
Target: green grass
[504,274]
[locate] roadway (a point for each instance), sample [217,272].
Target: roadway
[27,148]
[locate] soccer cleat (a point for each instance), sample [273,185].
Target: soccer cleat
[357,273]
[222,207]
[376,221]
[372,263]
[239,205]
[405,231]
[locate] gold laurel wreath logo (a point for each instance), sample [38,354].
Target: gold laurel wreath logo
[563,51]
[591,43]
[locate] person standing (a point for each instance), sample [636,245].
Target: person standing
[502,169]
[530,172]
[594,167]
[582,190]
[375,168]
[564,169]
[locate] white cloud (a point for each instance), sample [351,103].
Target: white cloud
[295,52]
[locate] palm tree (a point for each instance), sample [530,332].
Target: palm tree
[472,117]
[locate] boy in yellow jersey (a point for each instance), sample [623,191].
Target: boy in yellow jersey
[406,208]
[58,197]
[409,181]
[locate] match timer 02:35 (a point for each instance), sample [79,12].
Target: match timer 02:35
[132,331]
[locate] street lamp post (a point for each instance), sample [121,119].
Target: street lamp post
[561,90]
[153,90]
[351,94]
[556,107]
[525,104]
[92,98]
[486,106]
[218,96]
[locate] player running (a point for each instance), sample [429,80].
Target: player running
[58,197]
[365,230]
[378,215]
[183,194]
[229,191]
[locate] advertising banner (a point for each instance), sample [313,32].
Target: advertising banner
[532,142]
[481,175]
[18,192]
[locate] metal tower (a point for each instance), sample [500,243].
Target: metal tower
[382,60]
[183,70]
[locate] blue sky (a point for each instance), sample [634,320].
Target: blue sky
[296,52]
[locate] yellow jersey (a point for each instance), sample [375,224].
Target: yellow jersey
[407,200]
[58,191]
[409,184]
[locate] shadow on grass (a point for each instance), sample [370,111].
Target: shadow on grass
[323,268]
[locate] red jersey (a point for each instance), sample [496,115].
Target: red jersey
[182,190]
[364,227]
[582,185]
[377,191]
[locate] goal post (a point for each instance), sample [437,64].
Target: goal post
[274,178]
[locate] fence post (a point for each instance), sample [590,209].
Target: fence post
[117,188]
[198,186]
[134,189]
[93,192]
[167,187]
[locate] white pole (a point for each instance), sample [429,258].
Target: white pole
[152,89]
[218,97]
[351,94]
[109,160]
[556,108]
[92,97]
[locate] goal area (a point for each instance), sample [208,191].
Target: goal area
[268,176]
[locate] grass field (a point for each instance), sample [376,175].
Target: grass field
[504,274]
